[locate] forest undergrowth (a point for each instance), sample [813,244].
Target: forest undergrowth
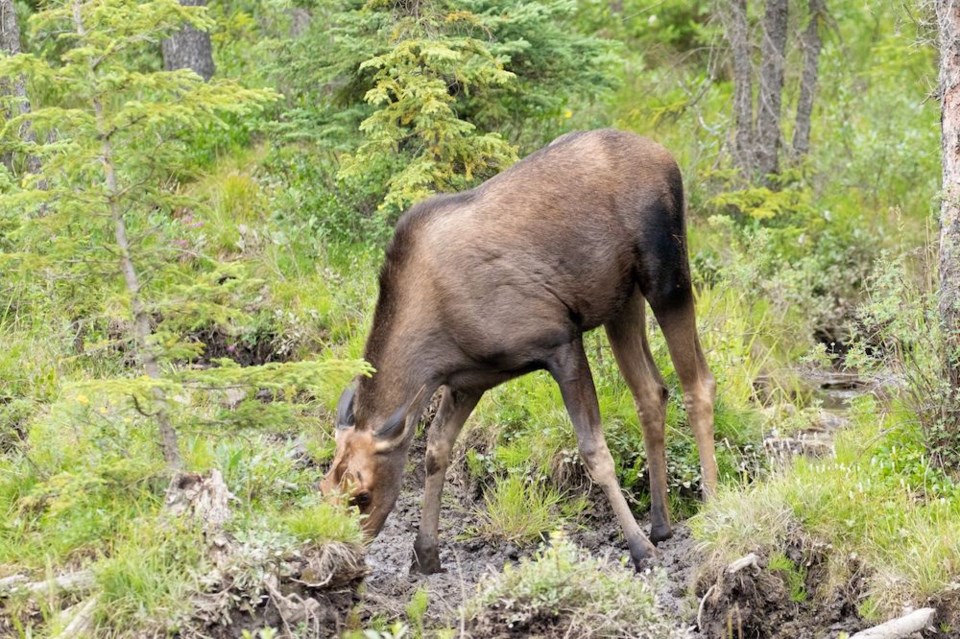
[256,208]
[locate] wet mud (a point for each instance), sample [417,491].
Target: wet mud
[467,560]
[755,603]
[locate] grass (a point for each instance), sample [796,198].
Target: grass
[147,580]
[518,511]
[563,587]
[795,576]
[323,523]
[878,500]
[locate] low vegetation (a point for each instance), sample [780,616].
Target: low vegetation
[563,591]
[256,208]
[879,516]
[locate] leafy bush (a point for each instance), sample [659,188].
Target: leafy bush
[428,85]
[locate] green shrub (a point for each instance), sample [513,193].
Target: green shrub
[439,93]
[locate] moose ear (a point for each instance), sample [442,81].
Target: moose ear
[400,424]
[345,416]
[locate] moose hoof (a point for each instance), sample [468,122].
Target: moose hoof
[660,533]
[426,561]
[642,553]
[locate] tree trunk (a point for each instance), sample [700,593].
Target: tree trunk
[737,32]
[948,22]
[811,43]
[189,48]
[15,87]
[141,331]
[773,49]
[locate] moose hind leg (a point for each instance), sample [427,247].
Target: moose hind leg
[570,369]
[628,339]
[455,408]
[675,314]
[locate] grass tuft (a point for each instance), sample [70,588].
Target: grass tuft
[324,523]
[563,587]
[518,511]
[147,582]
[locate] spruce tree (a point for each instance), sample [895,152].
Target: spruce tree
[121,130]
[443,92]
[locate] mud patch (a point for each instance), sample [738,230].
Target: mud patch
[753,598]
[467,560]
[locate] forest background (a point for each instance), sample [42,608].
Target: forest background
[192,221]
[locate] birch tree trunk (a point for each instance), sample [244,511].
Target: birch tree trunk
[811,43]
[15,87]
[738,35]
[189,48]
[773,50]
[948,22]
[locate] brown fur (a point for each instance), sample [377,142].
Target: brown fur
[486,285]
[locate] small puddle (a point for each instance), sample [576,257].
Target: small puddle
[835,391]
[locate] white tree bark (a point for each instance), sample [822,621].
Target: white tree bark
[948,22]
[15,87]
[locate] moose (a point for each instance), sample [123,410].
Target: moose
[486,285]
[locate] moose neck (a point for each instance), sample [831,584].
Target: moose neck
[405,346]
[405,361]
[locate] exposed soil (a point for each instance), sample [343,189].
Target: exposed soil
[753,603]
[756,602]
[467,559]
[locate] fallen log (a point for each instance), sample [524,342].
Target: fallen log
[74,581]
[8,583]
[899,628]
[80,619]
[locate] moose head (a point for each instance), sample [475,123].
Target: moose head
[368,465]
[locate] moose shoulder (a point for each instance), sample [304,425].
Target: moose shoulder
[483,286]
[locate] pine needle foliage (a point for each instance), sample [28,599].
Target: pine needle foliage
[98,220]
[444,91]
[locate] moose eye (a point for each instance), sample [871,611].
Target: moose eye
[361,500]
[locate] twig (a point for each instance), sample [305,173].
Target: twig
[703,603]
[897,628]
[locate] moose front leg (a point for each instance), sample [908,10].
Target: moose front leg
[455,407]
[571,370]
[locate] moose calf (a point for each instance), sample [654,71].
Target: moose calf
[483,286]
